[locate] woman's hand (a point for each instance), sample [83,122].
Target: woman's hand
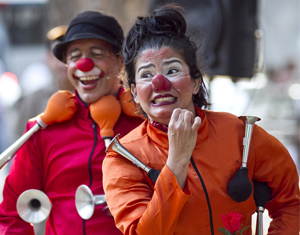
[182,134]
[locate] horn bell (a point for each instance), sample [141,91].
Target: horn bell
[85,201]
[116,146]
[33,206]
[112,143]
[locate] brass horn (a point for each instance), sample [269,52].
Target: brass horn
[33,206]
[85,202]
[240,187]
[61,107]
[119,148]
[8,154]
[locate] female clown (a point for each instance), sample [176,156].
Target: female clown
[196,151]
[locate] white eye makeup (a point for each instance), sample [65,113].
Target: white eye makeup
[74,54]
[172,69]
[97,51]
[145,73]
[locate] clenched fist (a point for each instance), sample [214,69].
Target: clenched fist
[182,133]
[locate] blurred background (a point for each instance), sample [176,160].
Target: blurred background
[250,52]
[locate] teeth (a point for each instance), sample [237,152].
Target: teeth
[164,99]
[89,78]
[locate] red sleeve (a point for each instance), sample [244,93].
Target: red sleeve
[138,209]
[25,173]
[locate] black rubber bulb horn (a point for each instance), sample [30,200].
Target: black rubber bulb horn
[262,194]
[240,187]
[117,147]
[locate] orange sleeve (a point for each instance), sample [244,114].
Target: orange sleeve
[138,209]
[274,165]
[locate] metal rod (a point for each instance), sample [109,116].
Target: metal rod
[6,156]
[99,199]
[259,221]
[249,122]
[116,146]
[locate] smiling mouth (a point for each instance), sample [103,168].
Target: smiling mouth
[164,100]
[87,79]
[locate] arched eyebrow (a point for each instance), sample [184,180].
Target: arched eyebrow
[172,61]
[146,66]
[165,63]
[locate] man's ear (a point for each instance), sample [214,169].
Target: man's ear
[196,85]
[134,93]
[121,63]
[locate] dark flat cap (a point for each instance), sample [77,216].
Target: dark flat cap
[89,25]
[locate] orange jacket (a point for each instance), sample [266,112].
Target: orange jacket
[139,207]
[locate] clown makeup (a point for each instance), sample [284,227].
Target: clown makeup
[163,83]
[93,69]
[172,69]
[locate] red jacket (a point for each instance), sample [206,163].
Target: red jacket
[140,207]
[56,161]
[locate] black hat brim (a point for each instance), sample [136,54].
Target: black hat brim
[60,49]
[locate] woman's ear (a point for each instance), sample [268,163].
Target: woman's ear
[134,93]
[196,85]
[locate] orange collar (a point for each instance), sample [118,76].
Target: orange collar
[160,137]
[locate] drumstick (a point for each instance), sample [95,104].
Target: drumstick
[61,107]
[105,112]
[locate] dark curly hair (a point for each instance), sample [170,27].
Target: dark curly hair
[165,27]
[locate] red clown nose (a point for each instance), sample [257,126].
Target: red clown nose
[85,64]
[160,83]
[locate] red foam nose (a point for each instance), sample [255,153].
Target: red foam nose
[85,64]
[160,83]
